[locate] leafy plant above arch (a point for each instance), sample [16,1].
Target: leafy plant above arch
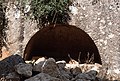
[46,11]
[50,11]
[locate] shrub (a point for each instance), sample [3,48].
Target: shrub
[48,11]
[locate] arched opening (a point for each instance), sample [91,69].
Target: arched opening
[57,41]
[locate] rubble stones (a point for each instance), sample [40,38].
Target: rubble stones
[24,69]
[43,77]
[65,72]
[13,77]
[7,64]
[39,64]
[61,64]
[91,76]
[40,60]
[50,67]
[76,71]
[88,67]
[50,70]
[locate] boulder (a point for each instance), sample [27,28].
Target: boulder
[7,64]
[24,69]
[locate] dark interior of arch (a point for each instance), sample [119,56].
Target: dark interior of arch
[57,41]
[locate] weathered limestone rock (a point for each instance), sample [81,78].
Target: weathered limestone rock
[43,77]
[72,64]
[24,69]
[61,64]
[39,60]
[7,65]
[88,67]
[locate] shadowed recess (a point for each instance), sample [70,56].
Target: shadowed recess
[57,41]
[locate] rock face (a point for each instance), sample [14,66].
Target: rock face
[99,18]
[58,41]
[19,30]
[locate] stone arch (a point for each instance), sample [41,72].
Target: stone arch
[59,40]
